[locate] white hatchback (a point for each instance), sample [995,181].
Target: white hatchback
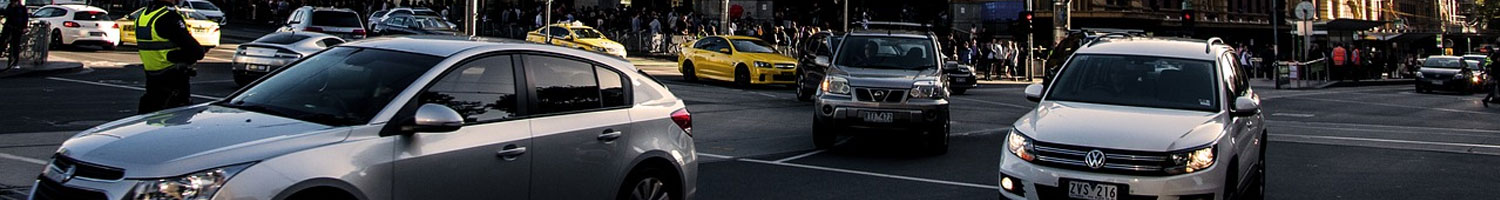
[1139,118]
[79,25]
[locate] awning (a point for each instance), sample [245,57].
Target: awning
[1401,36]
[1348,25]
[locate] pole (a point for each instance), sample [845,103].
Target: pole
[846,15]
[547,21]
[472,18]
[724,19]
[1031,43]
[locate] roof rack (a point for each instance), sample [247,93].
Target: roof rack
[1210,44]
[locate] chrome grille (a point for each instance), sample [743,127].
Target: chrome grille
[87,170]
[879,95]
[1115,162]
[785,66]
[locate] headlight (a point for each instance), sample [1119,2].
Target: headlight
[1419,74]
[928,89]
[1476,79]
[1019,145]
[835,85]
[1191,161]
[762,64]
[198,185]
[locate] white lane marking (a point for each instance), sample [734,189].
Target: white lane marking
[1301,115]
[800,156]
[213,81]
[1373,126]
[23,159]
[993,103]
[716,156]
[1449,144]
[983,131]
[126,87]
[1275,96]
[981,186]
[1400,106]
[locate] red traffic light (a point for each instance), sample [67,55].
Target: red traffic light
[1028,16]
[1187,16]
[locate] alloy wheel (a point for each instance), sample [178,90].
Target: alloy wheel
[650,188]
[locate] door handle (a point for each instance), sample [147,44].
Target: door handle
[609,135]
[511,152]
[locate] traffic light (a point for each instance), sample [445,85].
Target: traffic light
[1189,18]
[1022,26]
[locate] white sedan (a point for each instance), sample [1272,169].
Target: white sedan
[79,25]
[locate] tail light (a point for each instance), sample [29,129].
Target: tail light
[684,120]
[70,24]
[359,32]
[313,29]
[117,26]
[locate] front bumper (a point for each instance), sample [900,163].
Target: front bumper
[1042,182]
[1449,84]
[963,80]
[76,36]
[760,75]
[911,115]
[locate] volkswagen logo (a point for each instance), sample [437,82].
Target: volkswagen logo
[65,175]
[1094,159]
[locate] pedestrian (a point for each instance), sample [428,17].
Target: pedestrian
[1491,83]
[1338,55]
[167,56]
[11,36]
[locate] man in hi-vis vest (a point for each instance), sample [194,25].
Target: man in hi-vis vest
[168,52]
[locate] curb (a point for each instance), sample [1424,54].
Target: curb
[55,66]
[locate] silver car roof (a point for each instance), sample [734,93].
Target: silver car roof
[447,46]
[1159,47]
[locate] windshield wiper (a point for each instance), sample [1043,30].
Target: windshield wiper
[253,108]
[328,119]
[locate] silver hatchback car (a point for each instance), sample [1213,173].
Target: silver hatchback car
[402,118]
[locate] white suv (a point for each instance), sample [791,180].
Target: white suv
[340,22]
[1139,118]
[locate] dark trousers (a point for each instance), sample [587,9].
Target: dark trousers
[10,43]
[166,88]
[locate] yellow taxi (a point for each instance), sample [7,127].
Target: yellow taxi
[576,35]
[744,60]
[204,30]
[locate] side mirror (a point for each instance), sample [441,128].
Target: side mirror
[1034,92]
[434,118]
[725,51]
[1245,106]
[820,61]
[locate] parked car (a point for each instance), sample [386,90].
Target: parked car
[380,16]
[428,117]
[812,62]
[1139,118]
[1450,73]
[258,58]
[78,25]
[414,25]
[576,35]
[961,77]
[208,9]
[206,32]
[340,22]
[881,81]
[740,59]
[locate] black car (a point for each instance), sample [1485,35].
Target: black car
[961,77]
[414,25]
[1450,73]
[812,61]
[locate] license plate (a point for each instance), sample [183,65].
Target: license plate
[960,79]
[1437,82]
[96,34]
[1093,190]
[879,117]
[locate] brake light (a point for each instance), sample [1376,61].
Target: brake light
[684,120]
[70,24]
[117,26]
[313,29]
[359,32]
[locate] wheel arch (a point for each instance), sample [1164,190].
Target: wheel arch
[321,185]
[660,160]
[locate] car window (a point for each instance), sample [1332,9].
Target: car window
[887,52]
[401,21]
[752,46]
[202,5]
[335,19]
[429,23]
[558,31]
[45,12]
[562,85]
[611,87]
[378,13]
[1442,63]
[710,44]
[587,33]
[91,16]
[330,42]
[281,39]
[1138,81]
[717,43]
[481,91]
[341,86]
[296,18]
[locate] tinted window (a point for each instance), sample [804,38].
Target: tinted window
[281,38]
[378,13]
[482,90]
[887,52]
[91,16]
[562,85]
[1138,81]
[558,31]
[611,87]
[753,46]
[429,24]
[341,86]
[1443,62]
[706,44]
[335,19]
[202,5]
[587,33]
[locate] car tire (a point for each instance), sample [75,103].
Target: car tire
[109,47]
[741,76]
[960,90]
[648,183]
[57,41]
[1231,181]
[1258,190]
[803,93]
[689,73]
[824,136]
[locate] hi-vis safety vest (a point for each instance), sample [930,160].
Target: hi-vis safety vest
[153,48]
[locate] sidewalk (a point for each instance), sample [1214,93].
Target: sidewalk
[50,66]
[1313,85]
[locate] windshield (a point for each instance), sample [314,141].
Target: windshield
[202,5]
[281,38]
[425,12]
[194,15]
[341,86]
[91,16]
[1442,63]
[335,19]
[587,33]
[752,46]
[1138,81]
[886,52]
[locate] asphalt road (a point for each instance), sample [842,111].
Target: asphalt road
[1378,142]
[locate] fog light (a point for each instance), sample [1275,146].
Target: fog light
[1006,184]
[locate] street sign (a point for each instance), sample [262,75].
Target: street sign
[1305,10]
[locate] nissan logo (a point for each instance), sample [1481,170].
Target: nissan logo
[1094,159]
[879,94]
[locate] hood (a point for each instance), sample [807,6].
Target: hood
[184,140]
[773,58]
[1119,127]
[884,78]
[601,42]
